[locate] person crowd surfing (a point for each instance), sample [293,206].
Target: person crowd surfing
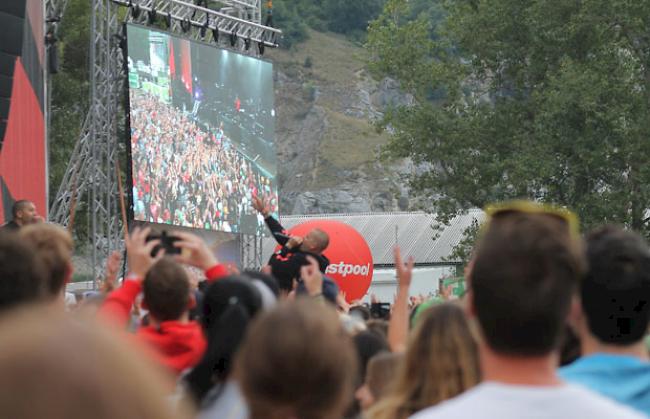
[286,263]
[185,176]
[251,345]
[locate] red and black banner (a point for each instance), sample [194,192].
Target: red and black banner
[22,95]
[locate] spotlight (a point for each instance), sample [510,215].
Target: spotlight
[135,10]
[168,20]
[247,43]
[121,41]
[233,36]
[206,25]
[151,16]
[186,25]
[52,52]
[261,47]
[215,35]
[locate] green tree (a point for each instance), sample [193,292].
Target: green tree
[348,17]
[70,98]
[546,100]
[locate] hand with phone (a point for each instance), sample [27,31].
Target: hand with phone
[140,252]
[192,250]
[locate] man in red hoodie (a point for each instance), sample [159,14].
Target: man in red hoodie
[177,342]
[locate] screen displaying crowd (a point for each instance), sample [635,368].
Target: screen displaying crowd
[201,134]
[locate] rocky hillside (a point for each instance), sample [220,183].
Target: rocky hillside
[327,146]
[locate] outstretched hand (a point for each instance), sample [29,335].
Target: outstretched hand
[312,277]
[447,291]
[138,252]
[112,267]
[404,271]
[194,251]
[261,205]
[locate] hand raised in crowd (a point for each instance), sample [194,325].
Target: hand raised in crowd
[374,299]
[139,252]
[312,277]
[261,205]
[112,267]
[194,251]
[404,271]
[342,302]
[447,292]
[294,242]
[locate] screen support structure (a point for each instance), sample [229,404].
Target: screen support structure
[92,170]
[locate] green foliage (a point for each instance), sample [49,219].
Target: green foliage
[342,16]
[347,17]
[70,94]
[286,17]
[546,100]
[70,97]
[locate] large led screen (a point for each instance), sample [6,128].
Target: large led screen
[202,133]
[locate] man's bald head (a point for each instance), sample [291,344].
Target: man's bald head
[316,241]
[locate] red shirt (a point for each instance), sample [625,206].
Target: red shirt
[176,345]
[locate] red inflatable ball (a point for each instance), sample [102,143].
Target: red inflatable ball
[350,259]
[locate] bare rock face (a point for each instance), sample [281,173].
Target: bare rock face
[328,148]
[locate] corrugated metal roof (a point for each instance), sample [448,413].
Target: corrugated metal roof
[415,233]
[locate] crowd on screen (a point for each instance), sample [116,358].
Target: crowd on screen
[553,324]
[184,175]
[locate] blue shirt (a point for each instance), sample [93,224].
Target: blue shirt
[623,378]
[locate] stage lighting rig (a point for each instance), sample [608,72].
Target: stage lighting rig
[236,19]
[260,48]
[204,28]
[186,25]
[134,9]
[233,36]
[215,35]
[247,43]
[151,16]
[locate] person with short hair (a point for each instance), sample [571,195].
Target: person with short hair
[177,341]
[613,319]
[297,362]
[526,271]
[286,263]
[57,367]
[23,212]
[380,374]
[22,274]
[54,246]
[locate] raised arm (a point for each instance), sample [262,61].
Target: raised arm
[263,207]
[398,326]
[117,306]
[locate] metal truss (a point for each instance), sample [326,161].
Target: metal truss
[92,170]
[239,19]
[251,251]
[92,167]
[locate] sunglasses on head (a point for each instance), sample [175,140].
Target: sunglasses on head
[563,215]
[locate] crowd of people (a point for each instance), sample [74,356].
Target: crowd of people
[184,175]
[552,325]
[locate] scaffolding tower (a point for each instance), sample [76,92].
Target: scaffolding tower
[93,168]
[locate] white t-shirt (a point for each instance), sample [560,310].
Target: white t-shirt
[500,401]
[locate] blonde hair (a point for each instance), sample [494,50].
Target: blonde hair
[441,362]
[53,246]
[54,367]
